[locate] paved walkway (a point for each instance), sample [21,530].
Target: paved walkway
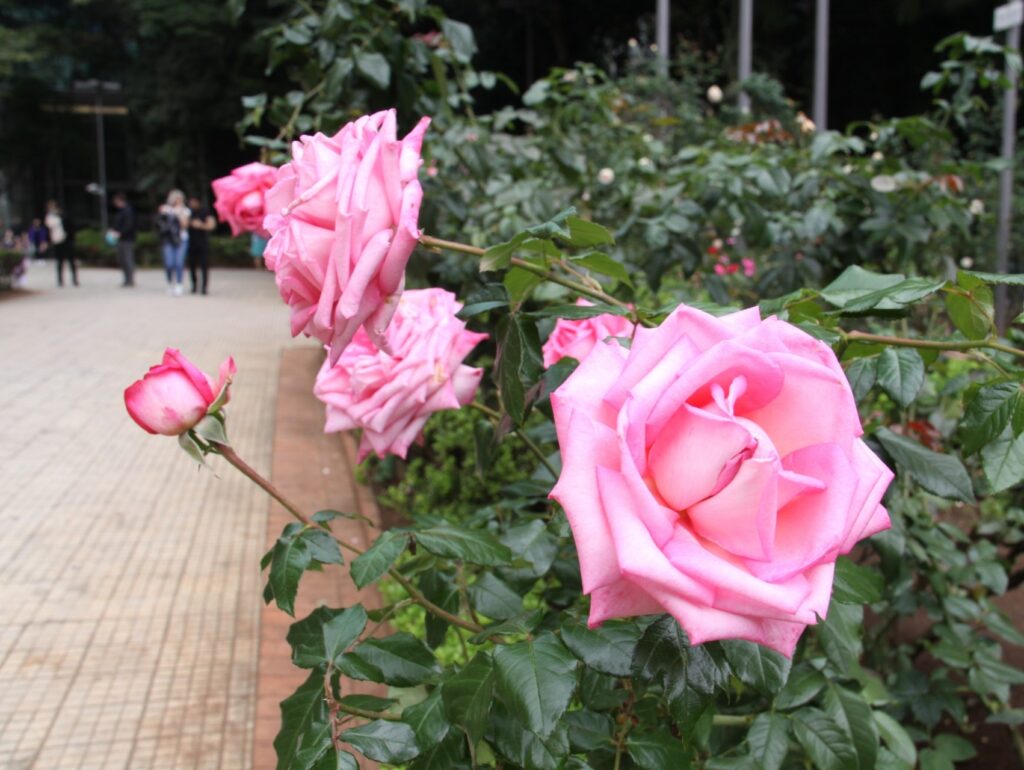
[129,582]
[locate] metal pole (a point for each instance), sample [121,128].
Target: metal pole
[821,65]
[746,48]
[661,38]
[101,157]
[1006,181]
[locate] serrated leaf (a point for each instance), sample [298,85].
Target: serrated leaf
[532,543]
[577,312]
[590,730]
[366,702]
[1007,279]
[759,667]
[941,474]
[901,374]
[825,742]
[383,741]
[492,598]
[1003,461]
[526,748]
[427,720]
[862,373]
[584,233]
[402,659]
[378,558]
[518,365]
[855,282]
[988,413]
[854,584]
[449,754]
[308,638]
[342,630]
[768,740]
[840,635]
[971,312]
[467,695]
[374,67]
[852,714]
[536,678]
[305,724]
[608,648]
[896,738]
[895,297]
[291,557]
[475,546]
[657,751]
[599,262]
[459,36]
[322,546]
[804,684]
[520,624]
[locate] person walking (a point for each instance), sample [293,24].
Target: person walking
[172,225]
[124,230]
[62,238]
[38,237]
[200,226]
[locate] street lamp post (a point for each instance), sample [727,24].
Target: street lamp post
[96,88]
[1009,18]
[820,109]
[746,49]
[662,36]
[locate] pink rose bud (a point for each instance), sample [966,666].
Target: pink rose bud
[390,395]
[175,395]
[343,223]
[698,482]
[576,338]
[239,197]
[749,267]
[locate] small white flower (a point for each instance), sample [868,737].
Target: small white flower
[718,243]
[633,43]
[884,183]
[715,94]
[806,124]
[873,136]
[648,138]
[654,47]
[645,163]
[735,232]
[848,168]
[570,76]
[966,263]
[977,207]
[585,196]
[877,156]
[606,176]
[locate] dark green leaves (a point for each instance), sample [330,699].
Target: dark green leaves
[941,474]
[305,733]
[378,558]
[854,584]
[475,546]
[467,695]
[825,742]
[374,67]
[658,751]
[768,740]
[427,720]
[988,413]
[402,659]
[324,634]
[384,741]
[850,712]
[901,374]
[1003,460]
[757,666]
[493,598]
[298,549]
[518,365]
[536,678]
[607,648]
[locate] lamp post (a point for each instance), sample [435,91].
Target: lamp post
[820,107]
[746,40]
[96,88]
[1009,18]
[662,36]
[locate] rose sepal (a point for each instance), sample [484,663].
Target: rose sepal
[211,428]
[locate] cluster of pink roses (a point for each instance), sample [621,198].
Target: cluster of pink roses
[693,478]
[239,197]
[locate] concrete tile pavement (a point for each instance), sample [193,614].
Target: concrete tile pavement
[129,580]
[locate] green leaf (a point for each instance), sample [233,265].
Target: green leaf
[427,720]
[590,730]
[475,546]
[853,714]
[342,630]
[854,584]
[805,682]
[191,447]
[322,547]
[378,558]
[988,413]
[530,542]
[599,262]
[855,282]
[291,557]
[518,365]
[583,233]
[825,742]
[374,68]
[954,747]
[402,659]
[664,653]
[492,598]
[383,741]
[840,635]
[575,312]
[467,695]
[525,748]
[305,724]
[336,760]
[608,648]
[366,702]
[1003,460]
[941,474]
[759,667]
[657,751]
[324,634]
[449,754]
[895,297]
[211,429]
[536,678]
[896,738]
[862,372]
[971,312]
[768,739]
[460,37]
[520,624]
[1007,279]
[935,760]
[901,374]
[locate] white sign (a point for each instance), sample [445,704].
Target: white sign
[1009,15]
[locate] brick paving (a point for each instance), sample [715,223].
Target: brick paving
[129,582]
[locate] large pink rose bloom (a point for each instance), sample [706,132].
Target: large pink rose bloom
[576,338]
[343,223]
[239,197]
[391,395]
[175,395]
[715,471]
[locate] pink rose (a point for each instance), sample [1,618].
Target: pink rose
[239,197]
[576,338]
[715,471]
[175,395]
[391,395]
[343,224]
[749,267]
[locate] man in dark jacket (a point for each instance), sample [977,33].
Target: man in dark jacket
[124,229]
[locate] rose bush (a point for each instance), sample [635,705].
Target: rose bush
[390,395]
[175,395]
[697,482]
[239,197]
[577,337]
[343,223]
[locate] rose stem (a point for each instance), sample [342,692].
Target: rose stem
[496,416]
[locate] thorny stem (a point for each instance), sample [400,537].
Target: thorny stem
[414,593]
[530,443]
[990,343]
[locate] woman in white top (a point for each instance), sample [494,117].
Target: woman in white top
[172,225]
[63,248]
